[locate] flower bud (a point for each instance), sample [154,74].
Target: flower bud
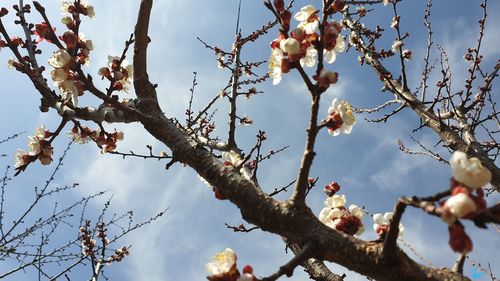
[290,46]
[279,5]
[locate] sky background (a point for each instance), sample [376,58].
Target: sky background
[367,163]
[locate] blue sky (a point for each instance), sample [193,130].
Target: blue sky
[367,163]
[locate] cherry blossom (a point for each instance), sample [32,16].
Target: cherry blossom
[333,41]
[68,8]
[460,205]
[309,60]
[60,59]
[326,78]
[469,171]
[336,216]
[341,118]
[382,222]
[120,72]
[290,46]
[223,266]
[308,18]
[39,148]
[459,240]
[396,45]
[275,65]
[21,158]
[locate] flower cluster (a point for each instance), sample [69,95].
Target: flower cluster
[340,118]
[381,224]
[88,244]
[335,215]
[70,7]
[466,198]
[119,72]
[119,255]
[66,61]
[39,148]
[106,140]
[64,76]
[222,267]
[468,177]
[300,46]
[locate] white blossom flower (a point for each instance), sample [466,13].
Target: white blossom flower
[396,45]
[77,137]
[275,65]
[336,216]
[335,201]
[469,172]
[58,75]
[69,91]
[20,158]
[460,205]
[345,111]
[356,211]
[34,145]
[66,20]
[340,47]
[40,132]
[332,216]
[65,6]
[308,20]
[309,60]
[90,11]
[223,262]
[290,46]
[59,59]
[89,45]
[11,62]
[384,221]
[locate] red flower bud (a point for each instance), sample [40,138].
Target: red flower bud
[3,12]
[285,16]
[279,5]
[248,268]
[459,240]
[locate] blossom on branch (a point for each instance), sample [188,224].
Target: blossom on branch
[120,72]
[39,148]
[222,266]
[308,18]
[463,203]
[21,158]
[381,224]
[469,171]
[335,215]
[341,118]
[68,7]
[333,42]
[459,242]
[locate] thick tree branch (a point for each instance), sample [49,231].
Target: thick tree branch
[294,222]
[144,90]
